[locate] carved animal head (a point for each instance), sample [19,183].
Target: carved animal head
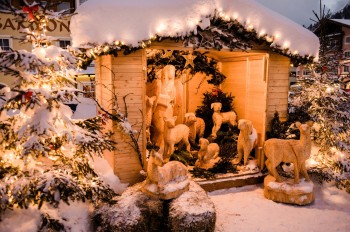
[190,118]
[245,126]
[150,101]
[304,128]
[170,122]
[156,158]
[203,143]
[216,106]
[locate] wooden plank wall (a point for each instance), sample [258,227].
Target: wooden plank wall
[127,75]
[278,87]
[103,75]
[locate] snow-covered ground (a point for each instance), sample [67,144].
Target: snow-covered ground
[246,209]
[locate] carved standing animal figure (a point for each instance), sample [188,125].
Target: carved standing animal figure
[219,118]
[196,125]
[173,135]
[290,151]
[149,112]
[247,140]
[208,154]
[159,176]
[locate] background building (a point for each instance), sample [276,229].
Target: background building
[11,30]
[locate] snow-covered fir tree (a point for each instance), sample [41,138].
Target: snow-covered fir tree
[45,156]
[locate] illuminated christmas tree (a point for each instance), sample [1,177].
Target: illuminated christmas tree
[45,156]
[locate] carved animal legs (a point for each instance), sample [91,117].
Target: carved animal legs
[216,128]
[304,172]
[239,158]
[296,173]
[273,170]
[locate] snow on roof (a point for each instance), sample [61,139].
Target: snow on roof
[342,21]
[107,21]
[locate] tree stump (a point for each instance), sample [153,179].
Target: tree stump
[192,211]
[287,192]
[134,211]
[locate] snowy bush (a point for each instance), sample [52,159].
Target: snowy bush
[324,102]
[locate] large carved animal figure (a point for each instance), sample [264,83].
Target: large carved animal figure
[160,175]
[149,112]
[174,135]
[196,125]
[290,151]
[208,154]
[220,118]
[247,140]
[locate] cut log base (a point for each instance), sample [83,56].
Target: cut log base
[287,192]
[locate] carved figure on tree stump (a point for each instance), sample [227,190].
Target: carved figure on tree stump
[166,181]
[290,151]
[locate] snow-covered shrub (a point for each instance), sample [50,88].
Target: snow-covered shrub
[325,103]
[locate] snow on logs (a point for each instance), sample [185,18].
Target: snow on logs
[136,211]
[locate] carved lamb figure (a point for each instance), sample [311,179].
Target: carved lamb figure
[173,135]
[149,112]
[219,118]
[247,140]
[165,181]
[196,125]
[290,151]
[208,154]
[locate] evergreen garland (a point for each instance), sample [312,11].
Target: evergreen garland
[202,64]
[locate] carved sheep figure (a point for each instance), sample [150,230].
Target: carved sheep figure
[173,135]
[196,125]
[290,151]
[208,154]
[247,140]
[219,118]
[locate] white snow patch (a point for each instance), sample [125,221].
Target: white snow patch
[20,220]
[246,209]
[107,21]
[86,108]
[105,172]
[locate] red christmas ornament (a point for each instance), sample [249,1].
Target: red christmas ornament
[324,69]
[28,96]
[30,10]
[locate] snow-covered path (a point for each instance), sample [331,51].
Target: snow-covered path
[246,209]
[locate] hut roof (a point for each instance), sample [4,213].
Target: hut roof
[131,22]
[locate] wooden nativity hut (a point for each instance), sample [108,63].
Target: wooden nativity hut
[254,48]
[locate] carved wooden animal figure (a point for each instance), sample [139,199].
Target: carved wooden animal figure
[161,175]
[196,125]
[149,112]
[173,135]
[290,151]
[247,140]
[208,154]
[219,118]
